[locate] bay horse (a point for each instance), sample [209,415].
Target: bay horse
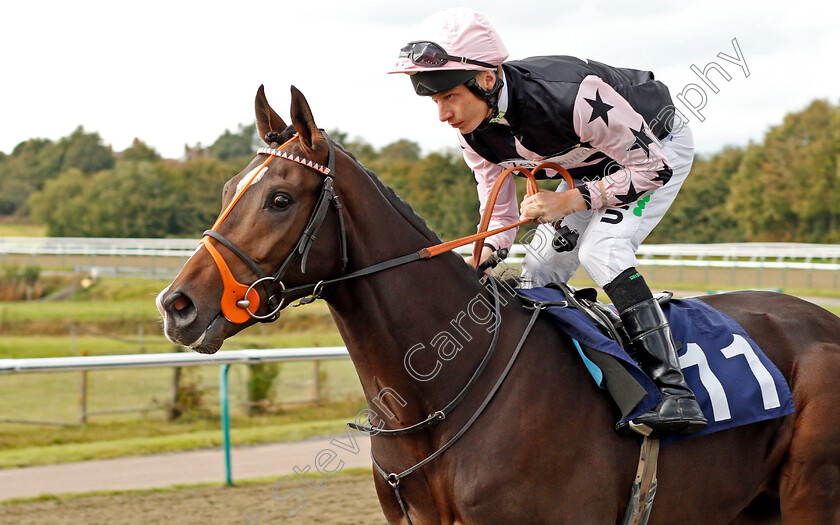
[544,450]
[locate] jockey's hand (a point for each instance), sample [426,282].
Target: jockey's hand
[485,253]
[551,206]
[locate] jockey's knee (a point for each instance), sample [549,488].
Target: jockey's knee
[605,258]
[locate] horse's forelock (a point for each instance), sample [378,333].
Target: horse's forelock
[286,134]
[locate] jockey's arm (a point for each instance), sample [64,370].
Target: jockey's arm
[605,120]
[506,210]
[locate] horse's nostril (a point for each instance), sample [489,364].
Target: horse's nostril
[181,303]
[181,308]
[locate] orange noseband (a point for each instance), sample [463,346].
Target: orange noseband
[238,303]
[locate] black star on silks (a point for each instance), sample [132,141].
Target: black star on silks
[631,196]
[663,175]
[642,140]
[599,108]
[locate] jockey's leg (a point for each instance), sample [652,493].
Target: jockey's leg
[648,328]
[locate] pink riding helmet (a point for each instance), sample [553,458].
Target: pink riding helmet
[461,32]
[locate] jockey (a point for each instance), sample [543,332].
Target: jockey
[616,132]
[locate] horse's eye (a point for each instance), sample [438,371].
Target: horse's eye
[281,201]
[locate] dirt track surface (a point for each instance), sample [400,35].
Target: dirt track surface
[347,499]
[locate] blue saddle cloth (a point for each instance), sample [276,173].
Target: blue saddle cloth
[734,382]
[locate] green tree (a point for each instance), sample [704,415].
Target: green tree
[34,161]
[13,192]
[361,150]
[139,151]
[231,146]
[400,150]
[25,171]
[85,151]
[439,187]
[62,203]
[787,189]
[132,200]
[197,185]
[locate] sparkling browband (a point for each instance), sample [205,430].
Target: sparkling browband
[294,158]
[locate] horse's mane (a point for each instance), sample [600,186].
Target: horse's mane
[402,207]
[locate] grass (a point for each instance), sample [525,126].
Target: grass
[139,446]
[54,397]
[78,311]
[18,436]
[104,319]
[11,229]
[115,299]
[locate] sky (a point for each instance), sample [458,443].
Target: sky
[179,73]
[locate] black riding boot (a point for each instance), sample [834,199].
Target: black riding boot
[651,335]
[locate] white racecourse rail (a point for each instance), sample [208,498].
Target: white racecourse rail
[224,359]
[730,255]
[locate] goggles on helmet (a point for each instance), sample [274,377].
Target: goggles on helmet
[429,54]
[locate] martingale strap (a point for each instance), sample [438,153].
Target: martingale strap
[394,478]
[440,415]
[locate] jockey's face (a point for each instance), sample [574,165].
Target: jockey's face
[460,108]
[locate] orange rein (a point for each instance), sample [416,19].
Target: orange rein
[482,234]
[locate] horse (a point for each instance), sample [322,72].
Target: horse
[544,449]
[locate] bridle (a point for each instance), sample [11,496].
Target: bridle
[240,302]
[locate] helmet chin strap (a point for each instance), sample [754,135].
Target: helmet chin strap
[491,97]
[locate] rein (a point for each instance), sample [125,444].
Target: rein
[438,249]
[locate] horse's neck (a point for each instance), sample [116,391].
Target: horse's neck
[413,333]
[435,311]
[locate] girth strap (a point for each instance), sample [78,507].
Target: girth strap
[643,490]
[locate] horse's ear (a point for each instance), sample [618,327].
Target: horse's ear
[267,118]
[303,122]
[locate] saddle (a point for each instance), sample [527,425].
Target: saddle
[607,370]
